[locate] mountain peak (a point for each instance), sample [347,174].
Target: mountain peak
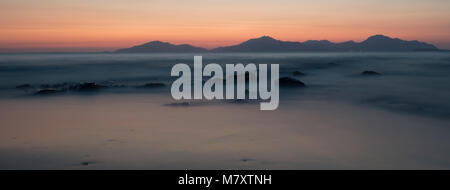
[378,37]
[161,47]
[263,39]
[156,42]
[266,38]
[384,43]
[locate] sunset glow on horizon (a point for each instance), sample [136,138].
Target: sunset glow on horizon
[100,25]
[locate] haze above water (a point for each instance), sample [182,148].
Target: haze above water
[342,120]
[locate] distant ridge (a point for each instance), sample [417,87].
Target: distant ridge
[376,43]
[373,43]
[161,47]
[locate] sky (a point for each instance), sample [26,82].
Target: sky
[103,25]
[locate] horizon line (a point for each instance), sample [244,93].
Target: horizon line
[78,49]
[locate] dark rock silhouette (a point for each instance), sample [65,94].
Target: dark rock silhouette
[247,159]
[290,82]
[61,85]
[370,73]
[298,73]
[24,86]
[178,104]
[87,86]
[87,163]
[162,47]
[152,85]
[74,87]
[48,91]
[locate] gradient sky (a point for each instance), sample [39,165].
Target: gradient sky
[95,25]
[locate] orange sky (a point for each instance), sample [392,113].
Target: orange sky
[96,25]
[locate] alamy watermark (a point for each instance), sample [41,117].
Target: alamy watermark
[213,88]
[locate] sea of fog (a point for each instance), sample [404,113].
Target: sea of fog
[399,119]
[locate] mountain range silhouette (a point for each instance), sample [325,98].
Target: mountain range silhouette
[376,43]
